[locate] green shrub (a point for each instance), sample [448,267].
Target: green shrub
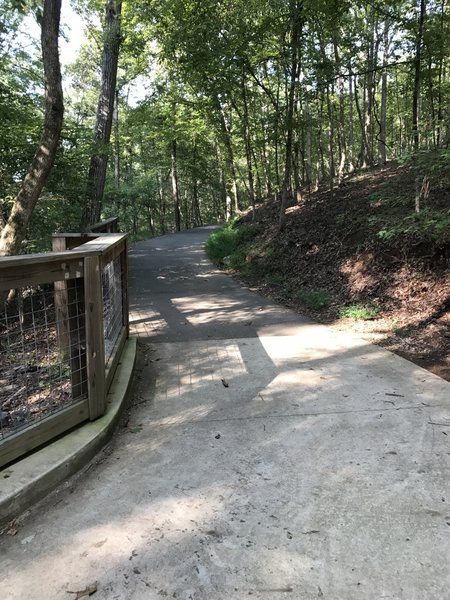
[229,246]
[362,312]
[221,244]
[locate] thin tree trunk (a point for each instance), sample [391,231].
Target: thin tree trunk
[362,158]
[162,205]
[247,141]
[384,90]
[323,171]
[14,232]
[341,122]
[370,80]
[103,124]
[196,215]
[264,152]
[116,141]
[418,77]
[296,143]
[175,191]
[431,94]
[296,9]
[308,162]
[226,135]
[441,65]
[331,141]
[350,124]
[276,136]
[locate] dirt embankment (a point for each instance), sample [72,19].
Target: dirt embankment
[381,243]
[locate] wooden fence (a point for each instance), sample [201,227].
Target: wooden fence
[61,346]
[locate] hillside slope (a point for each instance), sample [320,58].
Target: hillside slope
[375,258]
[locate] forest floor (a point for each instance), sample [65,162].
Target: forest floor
[372,259]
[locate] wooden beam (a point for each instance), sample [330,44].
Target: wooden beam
[95,343]
[41,432]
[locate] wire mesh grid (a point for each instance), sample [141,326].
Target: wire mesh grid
[112,305]
[42,355]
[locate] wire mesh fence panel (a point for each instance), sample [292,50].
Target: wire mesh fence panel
[42,353]
[112,305]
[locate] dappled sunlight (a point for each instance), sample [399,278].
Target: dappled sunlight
[312,343]
[142,323]
[103,542]
[204,309]
[265,455]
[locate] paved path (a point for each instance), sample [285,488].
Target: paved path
[267,457]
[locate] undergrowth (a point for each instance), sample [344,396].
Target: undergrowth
[231,245]
[359,311]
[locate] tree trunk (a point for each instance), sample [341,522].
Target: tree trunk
[264,153]
[418,77]
[105,108]
[350,124]
[440,72]
[14,232]
[116,141]
[367,158]
[248,147]
[196,214]
[384,90]
[331,142]
[296,9]
[175,191]
[226,135]
[341,123]
[162,205]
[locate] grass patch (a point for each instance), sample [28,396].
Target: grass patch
[314,299]
[363,312]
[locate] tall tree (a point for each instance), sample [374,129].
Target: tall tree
[296,24]
[102,132]
[418,74]
[14,232]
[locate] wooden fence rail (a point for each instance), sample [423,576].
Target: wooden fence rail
[85,278]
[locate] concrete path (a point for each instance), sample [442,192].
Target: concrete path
[266,457]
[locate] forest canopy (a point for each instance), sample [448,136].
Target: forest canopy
[216,106]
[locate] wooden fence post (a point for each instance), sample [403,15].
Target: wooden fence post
[70,321]
[95,343]
[61,302]
[124,284]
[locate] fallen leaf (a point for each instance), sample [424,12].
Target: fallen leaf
[311,531]
[89,591]
[28,539]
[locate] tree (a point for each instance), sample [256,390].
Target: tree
[14,231]
[105,109]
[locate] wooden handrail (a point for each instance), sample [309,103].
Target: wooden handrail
[110,225]
[48,267]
